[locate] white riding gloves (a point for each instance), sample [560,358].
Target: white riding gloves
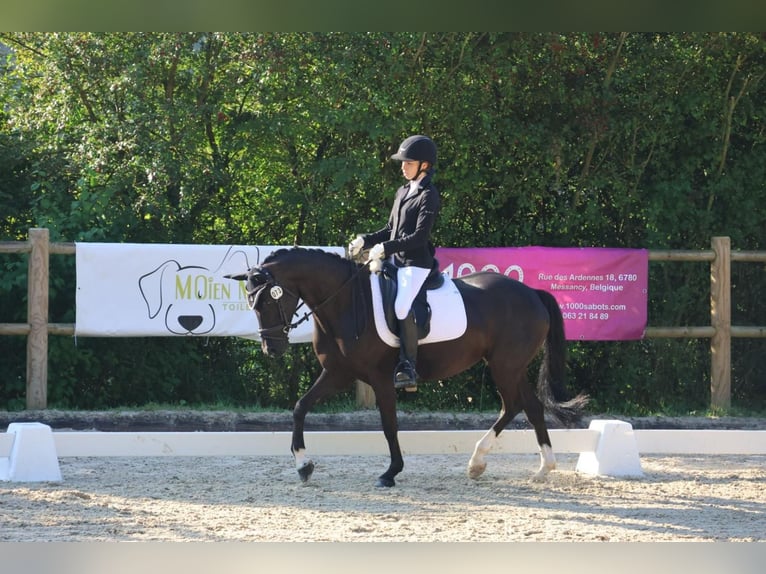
[356,246]
[377,251]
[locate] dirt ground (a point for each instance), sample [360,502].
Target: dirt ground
[262,499]
[689,498]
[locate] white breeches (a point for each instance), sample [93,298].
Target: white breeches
[409,280]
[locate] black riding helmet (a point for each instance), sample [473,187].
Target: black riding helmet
[417,148]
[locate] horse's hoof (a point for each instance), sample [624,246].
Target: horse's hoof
[476,470]
[306,471]
[541,475]
[384,482]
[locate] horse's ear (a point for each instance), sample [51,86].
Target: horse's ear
[237,277]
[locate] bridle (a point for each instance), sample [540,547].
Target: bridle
[276,291]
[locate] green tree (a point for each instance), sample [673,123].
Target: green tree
[651,140]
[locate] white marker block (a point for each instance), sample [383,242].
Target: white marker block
[33,455]
[616,453]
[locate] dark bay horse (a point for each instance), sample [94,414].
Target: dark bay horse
[508,324]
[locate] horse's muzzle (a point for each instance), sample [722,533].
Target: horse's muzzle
[274,348]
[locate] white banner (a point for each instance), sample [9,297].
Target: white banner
[137,290]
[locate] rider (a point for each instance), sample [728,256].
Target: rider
[406,238]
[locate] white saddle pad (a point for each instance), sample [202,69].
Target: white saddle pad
[448,319]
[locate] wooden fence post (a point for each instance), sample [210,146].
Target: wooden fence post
[365,396]
[37,317]
[720,318]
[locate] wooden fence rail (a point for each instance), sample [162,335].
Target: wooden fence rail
[720,331]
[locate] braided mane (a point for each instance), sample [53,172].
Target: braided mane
[308,251]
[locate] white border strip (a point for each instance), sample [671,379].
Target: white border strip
[96,444]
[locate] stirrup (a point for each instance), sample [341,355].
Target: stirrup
[405,376]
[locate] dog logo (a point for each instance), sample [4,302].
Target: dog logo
[184,296]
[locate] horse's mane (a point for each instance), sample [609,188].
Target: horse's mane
[314,252]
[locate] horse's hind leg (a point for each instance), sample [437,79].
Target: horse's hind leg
[476,464]
[508,389]
[536,416]
[516,395]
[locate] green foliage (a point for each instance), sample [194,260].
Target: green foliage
[643,140]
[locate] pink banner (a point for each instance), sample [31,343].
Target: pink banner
[602,292]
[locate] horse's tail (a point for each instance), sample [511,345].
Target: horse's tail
[551,379]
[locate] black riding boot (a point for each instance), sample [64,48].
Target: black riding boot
[405,375]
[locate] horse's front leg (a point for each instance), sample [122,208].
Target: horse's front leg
[386,397]
[326,384]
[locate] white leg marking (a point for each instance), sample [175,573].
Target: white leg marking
[300,458]
[477,465]
[547,463]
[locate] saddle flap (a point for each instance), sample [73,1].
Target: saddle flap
[420,306]
[448,321]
